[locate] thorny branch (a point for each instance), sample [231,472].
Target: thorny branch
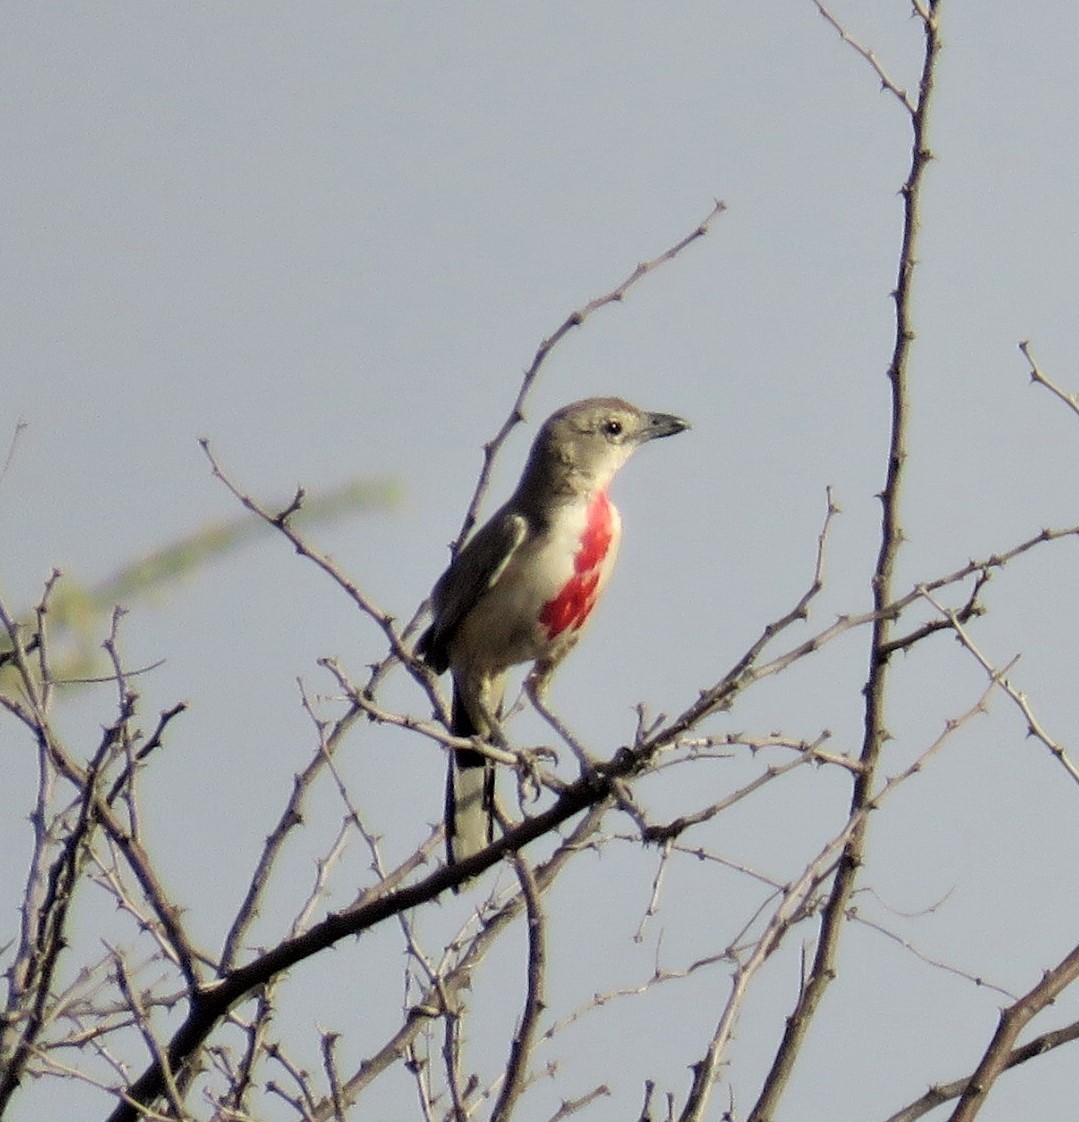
[99,827]
[593,790]
[212,1003]
[362,704]
[1000,678]
[520,1053]
[941,1093]
[1071,400]
[793,907]
[870,56]
[1012,1022]
[823,968]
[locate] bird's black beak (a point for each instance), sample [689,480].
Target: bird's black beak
[662,424]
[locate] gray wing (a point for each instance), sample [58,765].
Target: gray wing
[475,570]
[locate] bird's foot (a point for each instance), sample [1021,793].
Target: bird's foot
[529,781]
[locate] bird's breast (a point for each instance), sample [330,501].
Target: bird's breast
[592,548]
[544,596]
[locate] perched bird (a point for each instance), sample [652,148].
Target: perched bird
[523,586]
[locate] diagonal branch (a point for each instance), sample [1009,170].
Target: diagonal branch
[943,1092]
[870,56]
[521,1050]
[1012,1022]
[1071,400]
[1000,678]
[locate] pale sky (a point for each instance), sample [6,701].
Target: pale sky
[330,237]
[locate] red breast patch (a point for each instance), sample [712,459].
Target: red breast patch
[577,598]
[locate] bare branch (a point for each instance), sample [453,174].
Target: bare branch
[524,1039]
[793,906]
[1012,1022]
[944,1092]
[1071,400]
[1000,678]
[891,538]
[572,1106]
[20,427]
[886,83]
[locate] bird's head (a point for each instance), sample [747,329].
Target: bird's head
[582,445]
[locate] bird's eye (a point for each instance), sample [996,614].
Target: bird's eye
[612,427]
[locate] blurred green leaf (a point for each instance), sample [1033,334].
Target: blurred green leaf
[77,616]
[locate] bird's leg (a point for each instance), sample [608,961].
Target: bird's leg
[493,731]
[536,686]
[485,710]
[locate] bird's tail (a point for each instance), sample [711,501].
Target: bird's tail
[470,793]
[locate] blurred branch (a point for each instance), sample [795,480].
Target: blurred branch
[189,553]
[76,611]
[20,428]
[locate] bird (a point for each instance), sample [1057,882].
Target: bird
[522,588]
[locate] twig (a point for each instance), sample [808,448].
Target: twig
[745,670]
[243,1082]
[329,1065]
[790,908]
[870,56]
[943,1092]
[384,716]
[1000,678]
[539,703]
[524,1039]
[20,427]
[281,522]
[127,987]
[854,915]
[794,905]
[1012,1022]
[970,610]
[290,817]
[677,826]
[572,1106]
[657,881]
[1071,400]
[305,1105]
